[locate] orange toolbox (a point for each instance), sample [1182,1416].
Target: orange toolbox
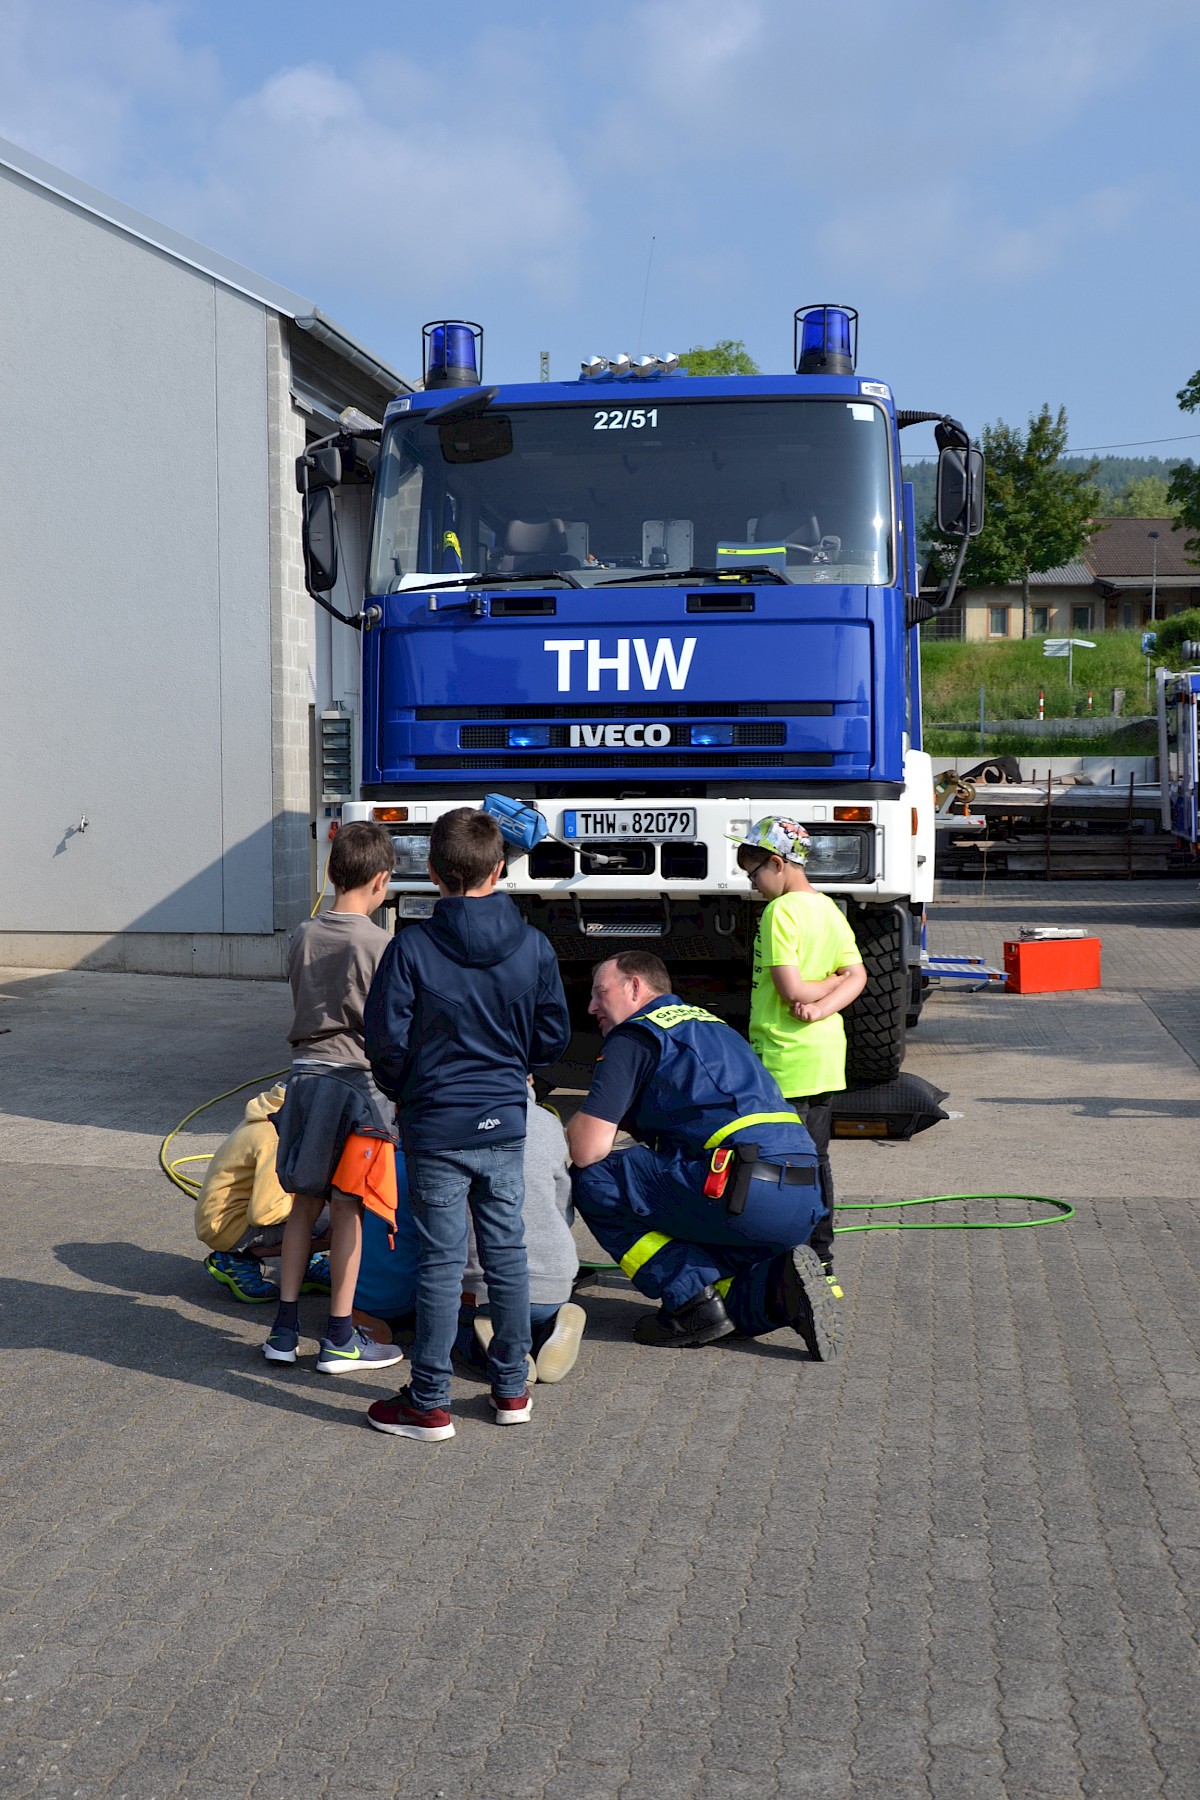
[1052,965]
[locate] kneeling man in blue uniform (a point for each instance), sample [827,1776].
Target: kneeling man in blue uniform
[720,1240]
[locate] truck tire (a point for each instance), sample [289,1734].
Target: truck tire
[875,1022]
[918,982]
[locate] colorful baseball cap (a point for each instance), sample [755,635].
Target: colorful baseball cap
[778,837]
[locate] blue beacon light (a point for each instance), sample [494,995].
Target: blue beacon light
[453,353]
[825,340]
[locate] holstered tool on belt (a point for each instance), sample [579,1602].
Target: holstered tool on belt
[719,1170]
[749,1166]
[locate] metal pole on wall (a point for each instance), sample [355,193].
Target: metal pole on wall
[1153,536]
[982,697]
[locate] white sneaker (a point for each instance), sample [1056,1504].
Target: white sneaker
[485,1331]
[558,1354]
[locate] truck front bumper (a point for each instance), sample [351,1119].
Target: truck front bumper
[862,850]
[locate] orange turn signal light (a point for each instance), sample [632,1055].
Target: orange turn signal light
[390,815]
[856,815]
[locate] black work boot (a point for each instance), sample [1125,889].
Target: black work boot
[701,1321]
[808,1304]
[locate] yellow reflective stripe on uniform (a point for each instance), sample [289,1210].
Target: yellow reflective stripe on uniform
[780,1118]
[666,1016]
[724,1285]
[641,1252]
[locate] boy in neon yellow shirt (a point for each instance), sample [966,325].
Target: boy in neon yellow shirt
[807,970]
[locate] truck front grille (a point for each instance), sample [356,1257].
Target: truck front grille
[657,759]
[495,737]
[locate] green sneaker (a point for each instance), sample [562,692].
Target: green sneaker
[317,1278]
[242,1275]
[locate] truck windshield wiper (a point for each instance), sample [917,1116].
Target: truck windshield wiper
[563,575]
[753,572]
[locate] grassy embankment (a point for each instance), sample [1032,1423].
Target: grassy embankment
[1012,673]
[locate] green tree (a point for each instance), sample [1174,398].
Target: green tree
[729,356]
[1037,514]
[1173,631]
[1147,498]
[1184,490]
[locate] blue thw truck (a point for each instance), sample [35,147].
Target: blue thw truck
[655,607]
[1179,749]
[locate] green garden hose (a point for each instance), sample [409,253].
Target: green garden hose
[1063,1211]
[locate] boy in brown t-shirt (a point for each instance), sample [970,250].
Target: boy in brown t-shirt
[330,1095]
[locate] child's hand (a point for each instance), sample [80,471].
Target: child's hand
[807,1011]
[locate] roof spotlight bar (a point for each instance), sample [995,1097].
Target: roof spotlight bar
[595,368]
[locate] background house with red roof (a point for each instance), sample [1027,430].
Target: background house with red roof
[1131,570]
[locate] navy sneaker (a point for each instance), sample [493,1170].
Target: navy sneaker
[362,1352]
[242,1275]
[281,1345]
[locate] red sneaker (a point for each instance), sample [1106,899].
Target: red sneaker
[399,1416]
[514,1411]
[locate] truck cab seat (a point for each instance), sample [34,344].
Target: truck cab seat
[534,544]
[787,528]
[800,533]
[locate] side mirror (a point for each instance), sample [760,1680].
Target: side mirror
[960,481]
[320,541]
[320,468]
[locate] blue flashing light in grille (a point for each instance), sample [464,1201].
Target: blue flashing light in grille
[529,737]
[712,734]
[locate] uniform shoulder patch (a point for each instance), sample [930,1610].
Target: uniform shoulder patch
[667,1016]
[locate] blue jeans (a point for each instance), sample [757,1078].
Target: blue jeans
[441,1186]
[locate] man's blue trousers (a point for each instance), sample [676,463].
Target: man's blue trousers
[650,1212]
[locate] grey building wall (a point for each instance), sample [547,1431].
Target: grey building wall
[135,650]
[158,658]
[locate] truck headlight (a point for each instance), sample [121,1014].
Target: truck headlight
[412,854]
[838,855]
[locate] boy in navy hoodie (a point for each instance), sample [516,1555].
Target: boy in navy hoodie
[461,1007]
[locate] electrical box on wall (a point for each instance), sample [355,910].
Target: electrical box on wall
[337,755]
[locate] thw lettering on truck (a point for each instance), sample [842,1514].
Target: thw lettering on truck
[665,659]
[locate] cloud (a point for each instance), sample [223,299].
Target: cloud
[519,166]
[304,175]
[75,78]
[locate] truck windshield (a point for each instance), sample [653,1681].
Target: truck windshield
[800,485]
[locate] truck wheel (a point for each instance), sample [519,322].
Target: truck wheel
[918,982]
[875,1022]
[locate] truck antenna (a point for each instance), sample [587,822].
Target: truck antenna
[645,291]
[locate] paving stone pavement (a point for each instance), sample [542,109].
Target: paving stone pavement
[962,1561]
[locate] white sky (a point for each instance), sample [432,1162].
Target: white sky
[1007,192]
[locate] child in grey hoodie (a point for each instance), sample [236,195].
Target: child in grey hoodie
[556,1321]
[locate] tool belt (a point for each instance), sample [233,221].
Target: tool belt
[733,1167]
